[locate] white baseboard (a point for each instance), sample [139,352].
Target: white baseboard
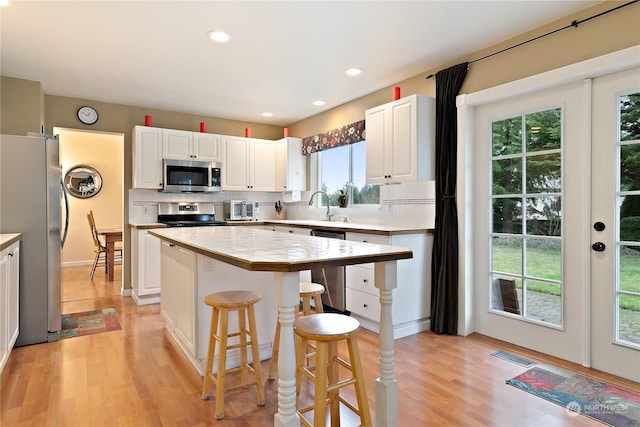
[399,331]
[144,299]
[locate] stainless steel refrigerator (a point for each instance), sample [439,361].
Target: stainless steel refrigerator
[31,202]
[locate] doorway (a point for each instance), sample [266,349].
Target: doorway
[548,164]
[102,152]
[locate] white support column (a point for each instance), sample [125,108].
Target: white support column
[287,296]
[386,280]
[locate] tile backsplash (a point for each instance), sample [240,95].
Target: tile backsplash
[408,204]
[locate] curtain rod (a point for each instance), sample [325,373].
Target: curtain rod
[574,24]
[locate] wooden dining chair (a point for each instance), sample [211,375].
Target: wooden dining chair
[101,249]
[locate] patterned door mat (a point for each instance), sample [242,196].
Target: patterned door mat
[89,322]
[604,402]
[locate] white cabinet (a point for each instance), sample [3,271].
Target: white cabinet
[185,145]
[400,141]
[291,165]
[9,300]
[249,164]
[206,146]
[145,267]
[286,229]
[147,157]
[178,298]
[411,299]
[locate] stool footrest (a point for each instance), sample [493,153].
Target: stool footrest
[239,345]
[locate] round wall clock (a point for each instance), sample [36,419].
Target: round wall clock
[87,115]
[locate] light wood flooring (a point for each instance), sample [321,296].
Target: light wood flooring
[137,377]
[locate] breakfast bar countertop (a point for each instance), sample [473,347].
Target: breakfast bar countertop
[262,250]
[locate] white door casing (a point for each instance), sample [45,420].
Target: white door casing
[474,232]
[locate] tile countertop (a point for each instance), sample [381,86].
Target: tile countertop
[8,239]
[255,249]
[316,224]
[349,226]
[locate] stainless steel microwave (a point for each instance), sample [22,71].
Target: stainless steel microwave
[191,176]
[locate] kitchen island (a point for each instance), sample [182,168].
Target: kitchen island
[282,257]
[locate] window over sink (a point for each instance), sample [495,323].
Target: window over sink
[342,170]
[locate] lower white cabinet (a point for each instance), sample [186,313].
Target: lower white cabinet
[411,299]
[178,299]
[9,300]
[145,267]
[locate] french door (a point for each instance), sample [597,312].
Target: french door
[557,240]
[615,231]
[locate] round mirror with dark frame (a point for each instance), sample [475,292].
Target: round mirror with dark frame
[83,181]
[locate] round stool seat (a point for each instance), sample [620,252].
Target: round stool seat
[326,327]
[308,288]
[232,299]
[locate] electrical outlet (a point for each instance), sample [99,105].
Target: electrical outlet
[209,264]
[145,209]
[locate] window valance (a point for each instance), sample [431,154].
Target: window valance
[349,134]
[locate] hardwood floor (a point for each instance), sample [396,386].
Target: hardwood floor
[137,377]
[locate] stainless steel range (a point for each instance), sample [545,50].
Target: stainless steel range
[188,214]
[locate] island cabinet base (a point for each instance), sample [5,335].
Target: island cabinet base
[217,276]
[183,303]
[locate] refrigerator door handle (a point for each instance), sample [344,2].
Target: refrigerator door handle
[66,215]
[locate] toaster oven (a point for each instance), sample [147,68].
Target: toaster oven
[240,210]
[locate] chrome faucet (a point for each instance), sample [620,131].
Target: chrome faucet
[327,196]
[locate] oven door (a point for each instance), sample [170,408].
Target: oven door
[186,176]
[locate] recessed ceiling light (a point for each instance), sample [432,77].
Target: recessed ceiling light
[4,2]
[219,36]
[353,71]
[267,114]
[318,103]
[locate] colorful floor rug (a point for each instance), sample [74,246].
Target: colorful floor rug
[582,395]
[89,322]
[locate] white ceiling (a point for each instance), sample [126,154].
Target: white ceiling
[282,56]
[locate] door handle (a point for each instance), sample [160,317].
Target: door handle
[598,246]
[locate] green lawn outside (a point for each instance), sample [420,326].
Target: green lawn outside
[545,264]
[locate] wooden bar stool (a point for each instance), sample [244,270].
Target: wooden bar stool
[308,291]
[222,303]
[327,329]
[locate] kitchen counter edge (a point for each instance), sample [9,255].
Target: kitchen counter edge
[350,227]
[147,226]
[8,239]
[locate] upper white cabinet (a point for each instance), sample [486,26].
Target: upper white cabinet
[291,165]
[185,145]
[400,141]
[147,157]
[249,164]
[206,146]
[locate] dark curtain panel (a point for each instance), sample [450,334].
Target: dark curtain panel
[444,261]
